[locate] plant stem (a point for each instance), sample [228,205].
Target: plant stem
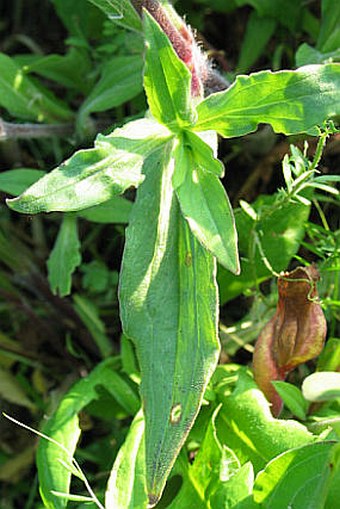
[12,131]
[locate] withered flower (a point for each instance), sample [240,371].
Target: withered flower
[294,335]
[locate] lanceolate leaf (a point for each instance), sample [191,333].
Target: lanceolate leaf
[291,101]
[126,486]
[93,176]
[168,305]
[280,235]
[63,427]
[69,70]
[120,12]
[120,81]
[205,205]
[166,79]
[22,98]
[64,257]
[204,154]
[329,36]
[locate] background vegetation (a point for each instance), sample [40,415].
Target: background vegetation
[81,74]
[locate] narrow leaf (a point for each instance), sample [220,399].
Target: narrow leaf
[93,176]
[329,37]
[329,359]
[23,99]
[285,11]
[208,465]
[205,205]
[292,398]
[74,498]
[126,487]
[257,35]
[11,390]
[68,70]
[166,79]
[280,236]
[63,428]
[121,80]
[168,305]
[81,19]
[204,153]
[65,257]
[291,101]
[121,13]
[89,314]
[203,148]
[229,494]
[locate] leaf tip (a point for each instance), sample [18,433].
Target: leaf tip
[21,204]
[153,500]
[12,203]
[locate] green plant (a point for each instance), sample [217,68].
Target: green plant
[180,224]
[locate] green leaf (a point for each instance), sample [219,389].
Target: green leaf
[68,70]
[333,495]
[306,55]
[93,176]
[121,13]
[81,19]
[287,12]
[183,485]
[65,257]
[279,230]
[169,309]
[291,101]
[292,398]
[298,478]
[329,35]
[205,205]
[116,210]
[203,148]
[74,498]
[126,487]
[17,180]
[23,99]
[329,359]
[258,32]
[166,79]
[248,427]
[217,474]
[63,427]
[97,277]
[230,493]
[211,465]
[129,359]
[321,386]
[89,314]
[215,477]
[12,391]
[120,81]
